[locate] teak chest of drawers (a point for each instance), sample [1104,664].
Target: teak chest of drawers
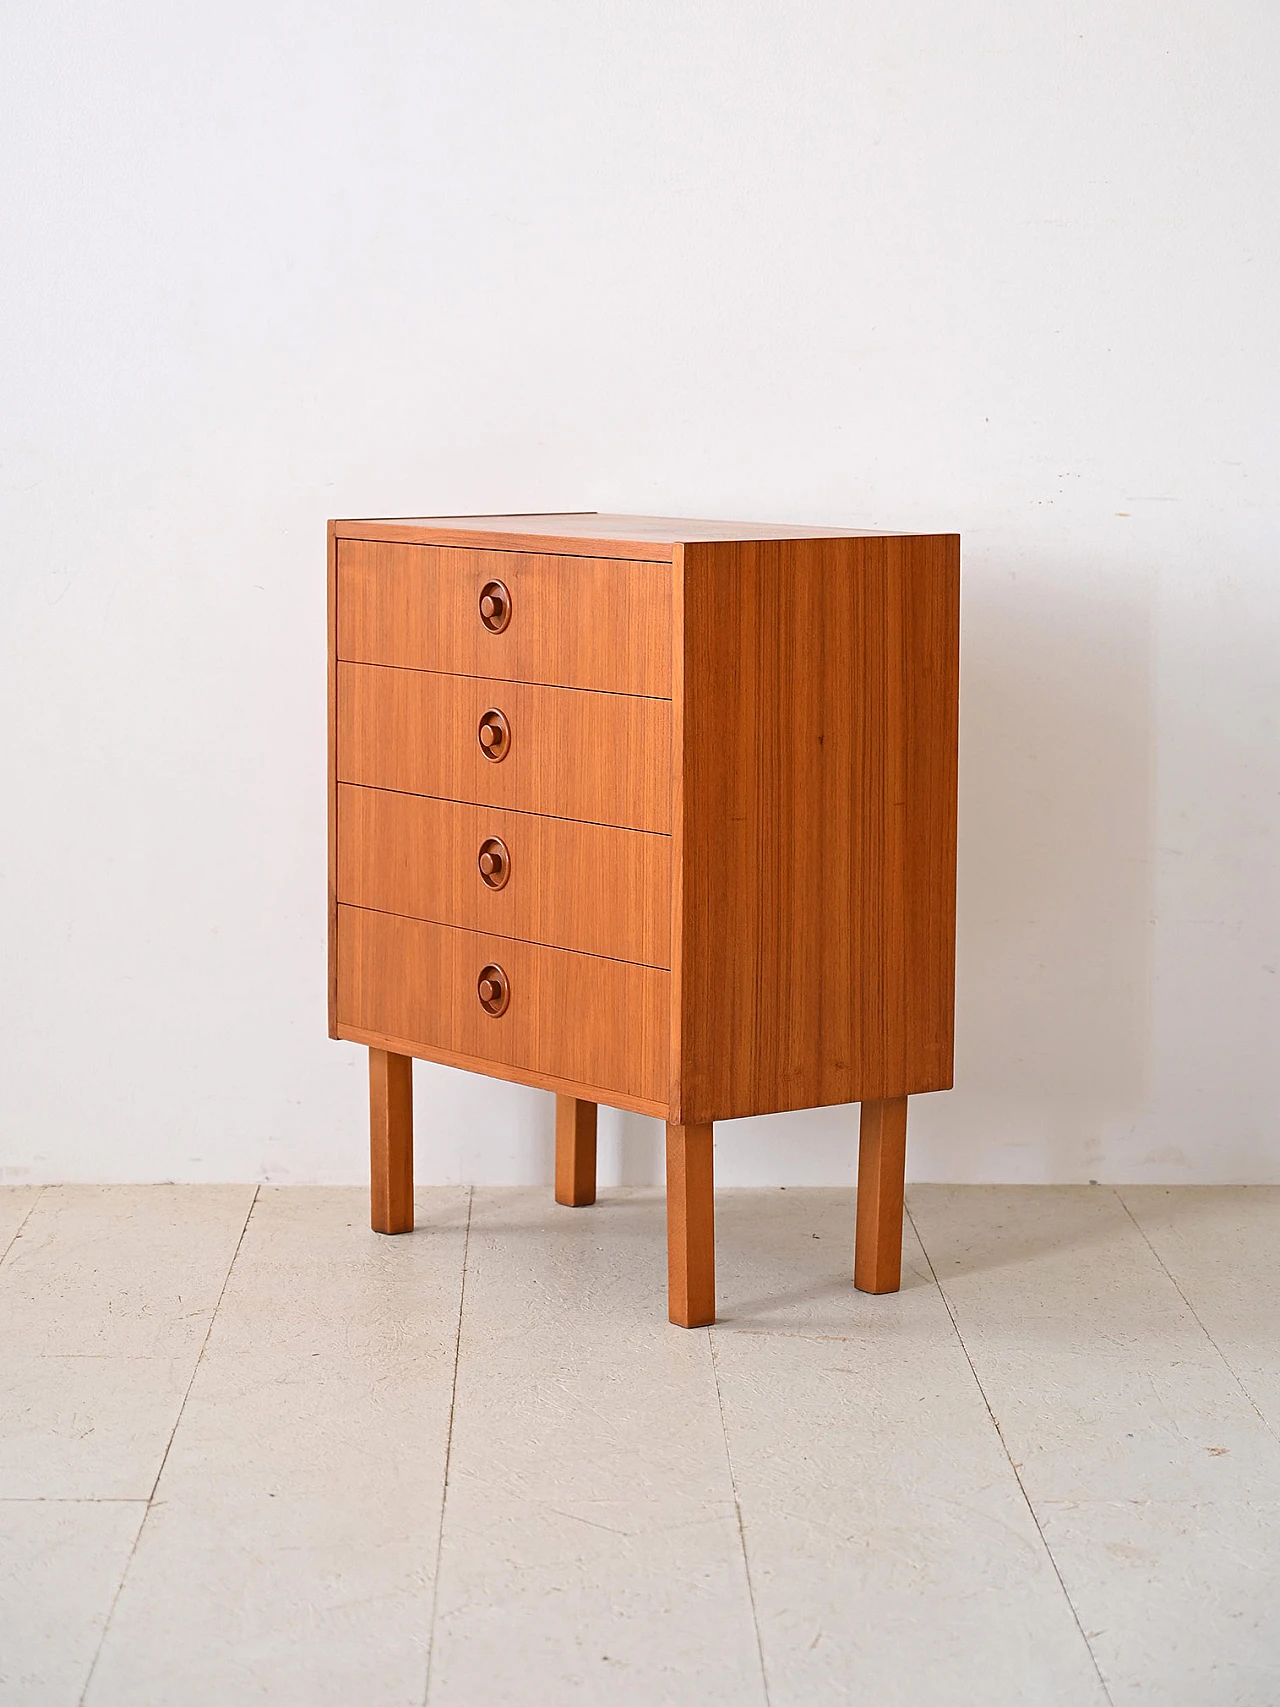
[660,814]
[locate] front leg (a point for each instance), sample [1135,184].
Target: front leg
[691,1235]
[882,1166]
[390,1142]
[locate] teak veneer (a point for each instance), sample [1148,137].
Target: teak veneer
[647,812]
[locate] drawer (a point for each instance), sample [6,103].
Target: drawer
[602,757]
[580,622]
[588,887]
[593,1022]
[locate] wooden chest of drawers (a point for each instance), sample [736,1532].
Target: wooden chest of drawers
[653,813]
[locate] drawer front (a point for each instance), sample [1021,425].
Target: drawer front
[587,887]
[579,622]
[601,757]
[595,1022]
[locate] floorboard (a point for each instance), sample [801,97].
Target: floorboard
[591,1549]
[1144,1459]
[289,1555]
[251,1451]
[893,1555]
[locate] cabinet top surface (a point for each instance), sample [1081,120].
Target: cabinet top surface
[583,531]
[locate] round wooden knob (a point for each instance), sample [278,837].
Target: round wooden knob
[495,606]
[495,735]
[494,862]
[493,990]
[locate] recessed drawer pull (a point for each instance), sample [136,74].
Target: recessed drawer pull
[495,735]
[495,606]
[493,990]
[494,862]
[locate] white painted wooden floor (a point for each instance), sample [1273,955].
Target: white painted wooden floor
[250,1451]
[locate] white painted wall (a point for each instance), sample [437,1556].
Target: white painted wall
[1008,268]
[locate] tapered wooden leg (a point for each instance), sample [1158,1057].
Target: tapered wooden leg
[575,1152]
[390,1142]
[691,1234]
[882,1164]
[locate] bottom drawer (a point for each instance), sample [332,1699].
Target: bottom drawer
[593,1022]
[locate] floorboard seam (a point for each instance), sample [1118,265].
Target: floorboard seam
[142,1523]
[1004,1445]
[73,1499]
[1195,1315]
[737,1512]
[17,1231]
[448,1450]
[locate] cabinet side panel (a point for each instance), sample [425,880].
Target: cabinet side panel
[817,822]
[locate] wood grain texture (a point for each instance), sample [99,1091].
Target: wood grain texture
[331,715]
[600,757]
[691,1238]
[553,1082]
[582,533]
[574,1017]
[575,622]
[587,887]
[815,833]
[575,1152]
[882,1162]
[794,799]
[678,804]
[390,1142]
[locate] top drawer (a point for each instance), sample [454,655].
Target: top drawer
[576,622]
